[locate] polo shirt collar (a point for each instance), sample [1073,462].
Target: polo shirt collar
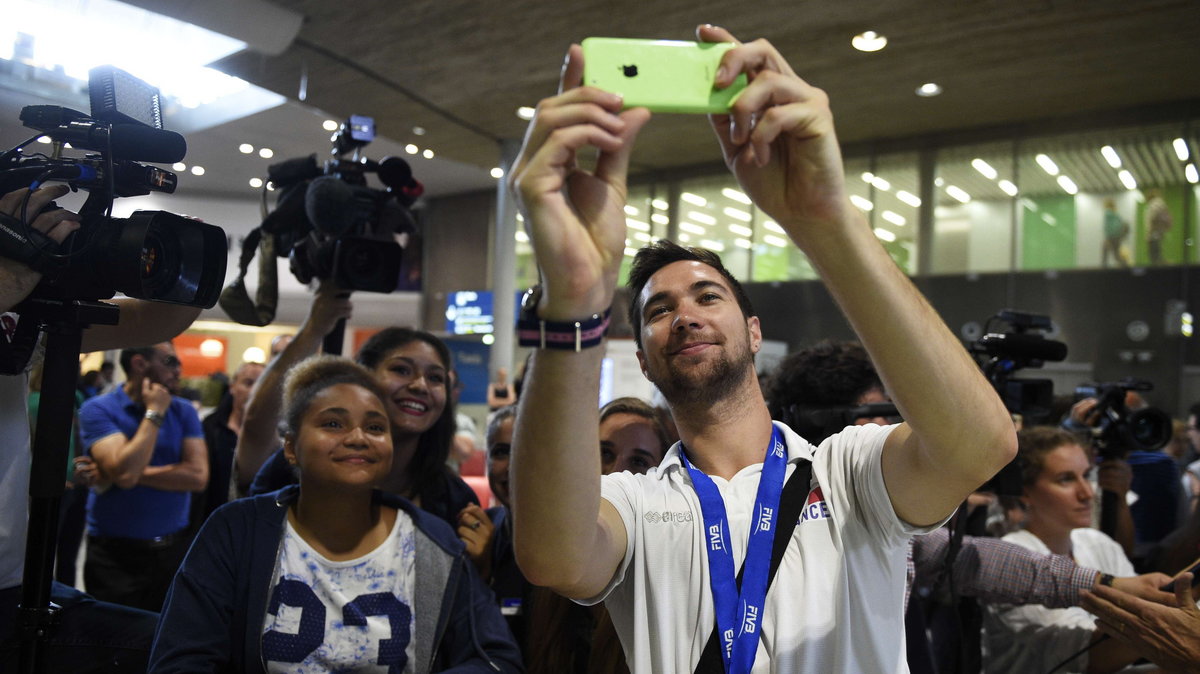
[798,448]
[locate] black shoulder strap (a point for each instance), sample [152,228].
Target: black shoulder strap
[791,503]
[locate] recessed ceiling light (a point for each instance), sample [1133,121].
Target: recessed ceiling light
[1190,173]
[179,166]
[428,154]
[266,153]
[256,183]
[497,173]
[45,140]
[1047,164]
[1068,185]
[197,170]
[245,148]
[929,89]
[525,112]
[330,125]
[1181,149]
[984,168]
[418,131]
[1127,180]
[411,149]
[868,41]
[1111,156]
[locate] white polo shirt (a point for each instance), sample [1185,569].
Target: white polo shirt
[837,602]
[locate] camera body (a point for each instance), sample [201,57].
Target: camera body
[331,225]
[151,255]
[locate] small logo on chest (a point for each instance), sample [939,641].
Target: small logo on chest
[814,508]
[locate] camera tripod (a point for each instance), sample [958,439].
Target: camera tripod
[63,322]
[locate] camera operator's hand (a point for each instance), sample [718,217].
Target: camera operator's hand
[1083,413]
[16,279]
[331,304]
[1114,475]
[155,397]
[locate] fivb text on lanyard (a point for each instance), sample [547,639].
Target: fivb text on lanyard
[739,614]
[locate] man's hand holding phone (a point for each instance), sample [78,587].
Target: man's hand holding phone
[576,218]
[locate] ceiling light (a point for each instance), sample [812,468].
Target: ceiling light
[861,203]
[521,236]
[929,89]
[45,140]
[497,173]
[659,218]
[254,354]
[660,204]
[773,226]
[958,194]
[179,167]
[637,224]
[884,235]
[1047,164]
[411,149]
[330,125]
[694,229]
[1127,180]
[427,153]
[741,230]
[642,236]
[1181,149]
[867,177]
[694,199]
[894,218]
[270,186]
[939,182]
[488,338]
[631,210]
[984,168]
[418,131]
[525,112]
[909,198]
[1111,156]
[684,238]
[245,148]
[266,153]
[775,240]
[630,252]
[715,246]
[868,41]
[881,184]
[743,243]
[737,214]
[702,217]
[256,183]
[1068,185]
[1009,188]
[197,170]
[731,193]
[1189,172]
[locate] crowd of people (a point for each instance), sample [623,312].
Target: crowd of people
[314,522]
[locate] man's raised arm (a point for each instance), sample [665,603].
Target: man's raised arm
[565,537]
[779,141]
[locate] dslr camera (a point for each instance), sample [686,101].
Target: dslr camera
[331,225]
[151,255]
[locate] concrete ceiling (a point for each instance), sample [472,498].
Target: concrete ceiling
[460,68]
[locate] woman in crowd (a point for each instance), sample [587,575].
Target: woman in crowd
[287,581]
[414,369]
[1057,499]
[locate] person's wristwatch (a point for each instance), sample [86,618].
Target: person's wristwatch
[153,417]
[565,335]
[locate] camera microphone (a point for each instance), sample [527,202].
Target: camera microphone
[1023,346]
[135,142]
[329,205]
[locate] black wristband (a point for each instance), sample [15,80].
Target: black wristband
[566,335]
[1106,579]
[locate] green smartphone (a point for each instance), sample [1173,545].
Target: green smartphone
[662,75]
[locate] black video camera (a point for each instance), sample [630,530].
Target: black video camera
[1120,430]
[152,255]
[1000,356]
[331,225]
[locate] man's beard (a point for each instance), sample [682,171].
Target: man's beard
[707,383]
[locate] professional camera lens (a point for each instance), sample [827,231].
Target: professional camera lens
[1149,429]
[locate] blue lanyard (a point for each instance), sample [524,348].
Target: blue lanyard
[739,645]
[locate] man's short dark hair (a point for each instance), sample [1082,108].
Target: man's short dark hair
[661,253]
[127,355]
[826,374]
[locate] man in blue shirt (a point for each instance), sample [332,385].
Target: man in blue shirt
[149,447]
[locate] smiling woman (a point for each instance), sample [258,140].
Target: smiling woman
[334,551]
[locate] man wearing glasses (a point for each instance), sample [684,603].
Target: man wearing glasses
[149,449]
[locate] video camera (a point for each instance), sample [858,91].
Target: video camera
[331,225]
[1119,429]
[152,255]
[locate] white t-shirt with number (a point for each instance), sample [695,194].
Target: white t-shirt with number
[351,615]
[837,602]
